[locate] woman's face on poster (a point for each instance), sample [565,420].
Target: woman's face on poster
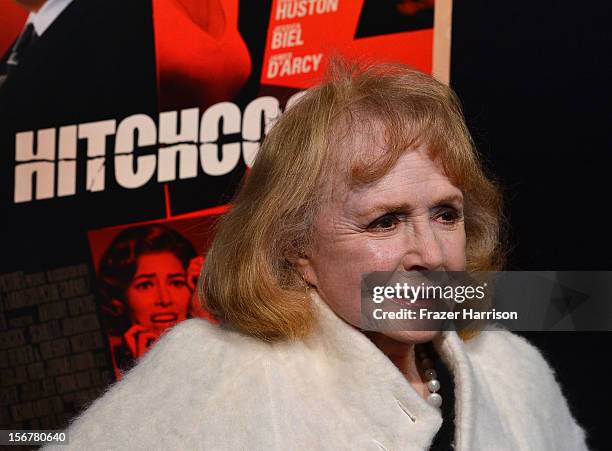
[158,295]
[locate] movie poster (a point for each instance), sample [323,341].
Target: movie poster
[125,130]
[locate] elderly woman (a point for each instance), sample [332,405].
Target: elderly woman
[374,170]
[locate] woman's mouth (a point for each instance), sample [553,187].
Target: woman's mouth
[164,317]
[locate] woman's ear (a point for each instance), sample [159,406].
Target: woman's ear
[304,266]
[299,256]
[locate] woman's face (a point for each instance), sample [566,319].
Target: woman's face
[158,296]
[409,220]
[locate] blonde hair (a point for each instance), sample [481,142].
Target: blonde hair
[248,280]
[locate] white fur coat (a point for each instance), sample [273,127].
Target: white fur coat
[203,387]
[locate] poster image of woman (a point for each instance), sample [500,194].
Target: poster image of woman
[146,277]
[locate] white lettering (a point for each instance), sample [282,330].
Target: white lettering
[217,140]
[290,9]
[40,173]
[95,133]
[213,163]
[289,35]
[186,154]
[264,109]
[294,98]
[66,167]
[287,65]
[127,175]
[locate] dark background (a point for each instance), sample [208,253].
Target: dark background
[534,78]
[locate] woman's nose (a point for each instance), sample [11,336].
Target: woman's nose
[423,249]
[163,297]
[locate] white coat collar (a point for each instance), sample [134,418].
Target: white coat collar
[377,381]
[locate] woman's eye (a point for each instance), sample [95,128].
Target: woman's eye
[143,285]
[178,283]
[449,216]
[385,222]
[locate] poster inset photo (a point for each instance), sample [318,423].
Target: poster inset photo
[147,276]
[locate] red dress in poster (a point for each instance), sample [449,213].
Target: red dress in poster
[201,56]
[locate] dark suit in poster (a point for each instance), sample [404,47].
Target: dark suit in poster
[95,62]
